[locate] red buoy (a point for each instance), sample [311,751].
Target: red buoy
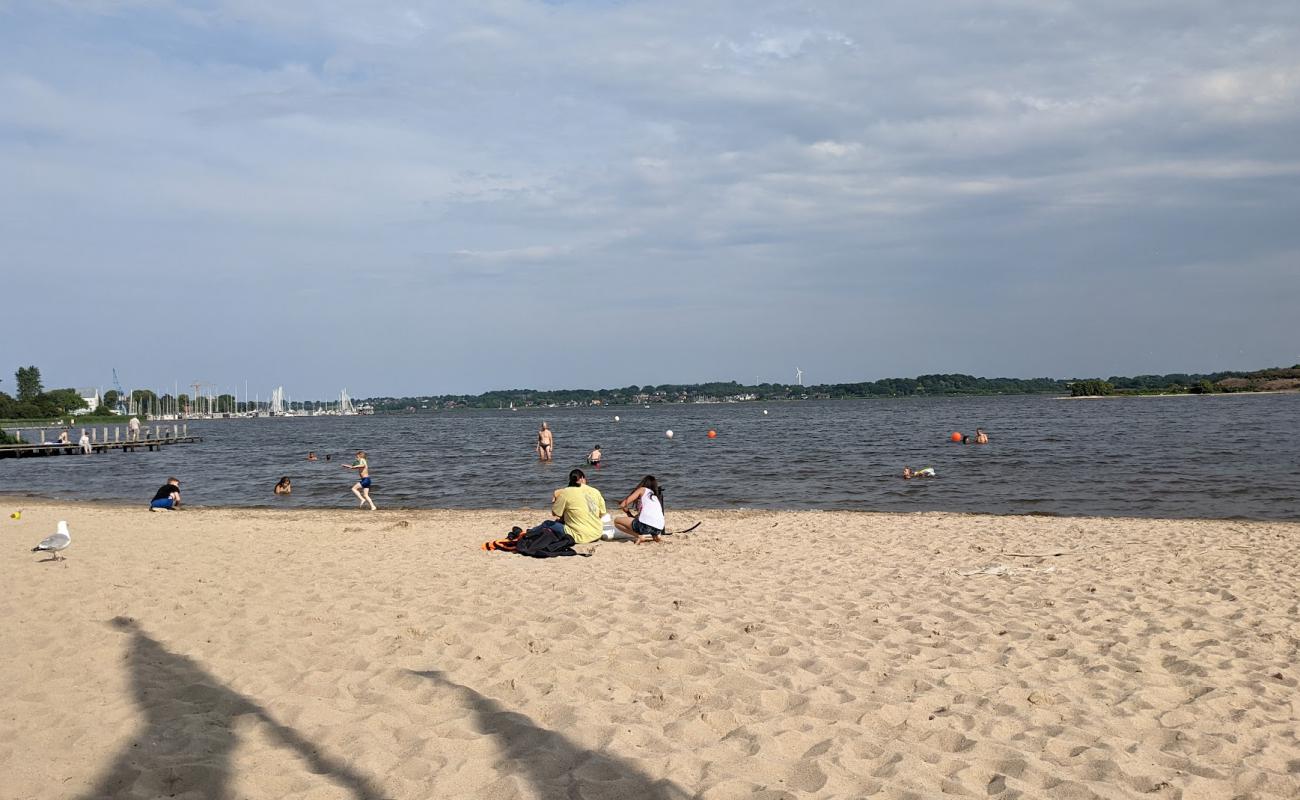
[956,436]
[713,434]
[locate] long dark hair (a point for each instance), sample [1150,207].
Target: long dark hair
[575,475]
[650,483]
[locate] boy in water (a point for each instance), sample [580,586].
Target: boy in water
[593,458]
[362,487]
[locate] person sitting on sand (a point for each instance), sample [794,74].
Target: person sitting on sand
[283,486]
[577,509]
[168,496]
[981,437]
[593,458]
[909,473]
[644,508]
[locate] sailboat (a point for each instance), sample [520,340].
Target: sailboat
[277,402]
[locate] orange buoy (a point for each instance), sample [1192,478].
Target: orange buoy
[713,434]
[956,436]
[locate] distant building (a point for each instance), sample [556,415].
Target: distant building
[91,397]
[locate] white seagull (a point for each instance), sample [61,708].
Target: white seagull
[56,542]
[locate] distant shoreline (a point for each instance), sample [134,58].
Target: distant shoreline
[1175,394]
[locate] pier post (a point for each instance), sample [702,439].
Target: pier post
[42,436]
[175,430]
[94,435]
[18,435]
[185,429]
[117,434]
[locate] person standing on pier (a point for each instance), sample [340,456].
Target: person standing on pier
[362,487]
[133,429]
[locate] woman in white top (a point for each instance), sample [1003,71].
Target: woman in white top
[647,519]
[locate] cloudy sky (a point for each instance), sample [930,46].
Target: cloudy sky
[430,197]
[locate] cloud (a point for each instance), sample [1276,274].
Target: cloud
[758,173]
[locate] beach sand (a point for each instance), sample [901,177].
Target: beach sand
[337,654]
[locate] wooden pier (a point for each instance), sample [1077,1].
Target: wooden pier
[149,438]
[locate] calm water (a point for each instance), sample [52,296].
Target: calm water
[1217,456]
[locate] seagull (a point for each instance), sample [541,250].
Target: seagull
[55,543]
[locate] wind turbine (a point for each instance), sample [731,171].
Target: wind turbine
[798,376]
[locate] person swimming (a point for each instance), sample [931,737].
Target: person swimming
[594,457]
[283,486]
[909,473]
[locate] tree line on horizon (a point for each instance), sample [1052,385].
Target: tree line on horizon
[938,385]
[34,402]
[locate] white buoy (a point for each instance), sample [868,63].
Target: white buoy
[765,412]
[616,418]
[669,434]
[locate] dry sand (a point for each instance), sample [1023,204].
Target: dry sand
[333,654]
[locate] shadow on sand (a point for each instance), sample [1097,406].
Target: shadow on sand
[188,737]
[557,768]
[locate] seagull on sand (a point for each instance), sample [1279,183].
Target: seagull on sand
[55,542]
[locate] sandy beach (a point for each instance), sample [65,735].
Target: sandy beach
[335,654]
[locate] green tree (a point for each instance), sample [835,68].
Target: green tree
[61,401]
[29,384]
[110,399]
[1091,388]
[145,400]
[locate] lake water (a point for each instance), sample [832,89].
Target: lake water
[1218,456]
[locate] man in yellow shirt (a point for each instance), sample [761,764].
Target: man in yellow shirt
[580,508]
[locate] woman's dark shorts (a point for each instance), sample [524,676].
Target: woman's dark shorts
[643,529]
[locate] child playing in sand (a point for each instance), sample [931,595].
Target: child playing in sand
[362,487]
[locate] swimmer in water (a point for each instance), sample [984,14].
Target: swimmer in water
[283,486]
[909,473]
[594,457]
[545,443]
[981,437]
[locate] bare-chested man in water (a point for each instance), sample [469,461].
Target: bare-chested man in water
[545,443]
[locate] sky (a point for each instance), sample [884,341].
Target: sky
[409,198]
